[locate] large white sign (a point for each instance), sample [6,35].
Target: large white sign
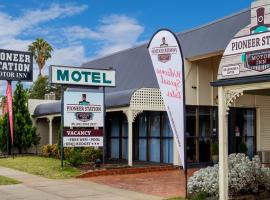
[167,60]
[248,43]
[82,76]
[83,109]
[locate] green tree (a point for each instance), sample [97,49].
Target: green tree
[41,87]
[3,133]
[41,50]
[24,133]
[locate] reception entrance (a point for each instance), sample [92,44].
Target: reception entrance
[242,131]
[244,70]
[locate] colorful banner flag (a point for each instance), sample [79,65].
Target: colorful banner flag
[167,60]
[9,106]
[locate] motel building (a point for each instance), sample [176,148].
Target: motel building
[227,83]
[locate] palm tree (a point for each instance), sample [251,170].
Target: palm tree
[41,50]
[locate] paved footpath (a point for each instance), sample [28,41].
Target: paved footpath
[39,188]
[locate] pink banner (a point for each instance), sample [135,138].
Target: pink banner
[9,106]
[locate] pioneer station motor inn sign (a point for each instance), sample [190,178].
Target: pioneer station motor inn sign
[248,53]
[82,76]
[16,65]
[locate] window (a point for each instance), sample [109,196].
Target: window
[117,135]
[153,138]
[201,130]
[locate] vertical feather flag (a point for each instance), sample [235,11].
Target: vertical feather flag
[9,106]
[167,59]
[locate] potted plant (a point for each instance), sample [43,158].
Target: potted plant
[214,149]
[243,148]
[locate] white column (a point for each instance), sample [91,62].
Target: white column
[176,160]
[34,121]
[223,145]
[50,119]
[130,123]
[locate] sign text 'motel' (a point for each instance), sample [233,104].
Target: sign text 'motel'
[16,65]
[82,76]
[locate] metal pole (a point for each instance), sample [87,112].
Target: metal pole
[104,126]
[8,138]
[62,125]
[186,177]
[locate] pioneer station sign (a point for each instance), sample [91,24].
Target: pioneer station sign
[248,43]
[16,65]
[83,109]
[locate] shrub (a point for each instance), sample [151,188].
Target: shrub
[204,181]
[242,175]
[245,177]
[74,157]
[67,152]
[200,196]
[90,154]
[46,150]
[54,151]
[50,151]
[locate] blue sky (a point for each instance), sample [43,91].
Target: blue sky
[87,29]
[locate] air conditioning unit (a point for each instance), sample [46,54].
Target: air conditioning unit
[50,96]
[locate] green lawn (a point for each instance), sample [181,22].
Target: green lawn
[7,181]
[46,167]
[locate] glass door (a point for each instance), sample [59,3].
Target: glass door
[242,136]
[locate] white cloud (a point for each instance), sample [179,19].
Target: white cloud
[15,26]
[29,22]
[116,32]
[15,44]
[71,56]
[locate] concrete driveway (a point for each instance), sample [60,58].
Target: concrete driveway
[35,187]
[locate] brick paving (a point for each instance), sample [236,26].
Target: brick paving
[165,184]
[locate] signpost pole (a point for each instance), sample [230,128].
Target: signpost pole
[104,126]
[62,125]
[8,138]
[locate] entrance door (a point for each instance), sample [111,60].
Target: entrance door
[241,131]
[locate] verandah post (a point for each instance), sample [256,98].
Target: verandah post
[223,145]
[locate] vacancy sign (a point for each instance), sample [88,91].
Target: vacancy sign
[87,137]
[82,76]
[167,61]
[83,109]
